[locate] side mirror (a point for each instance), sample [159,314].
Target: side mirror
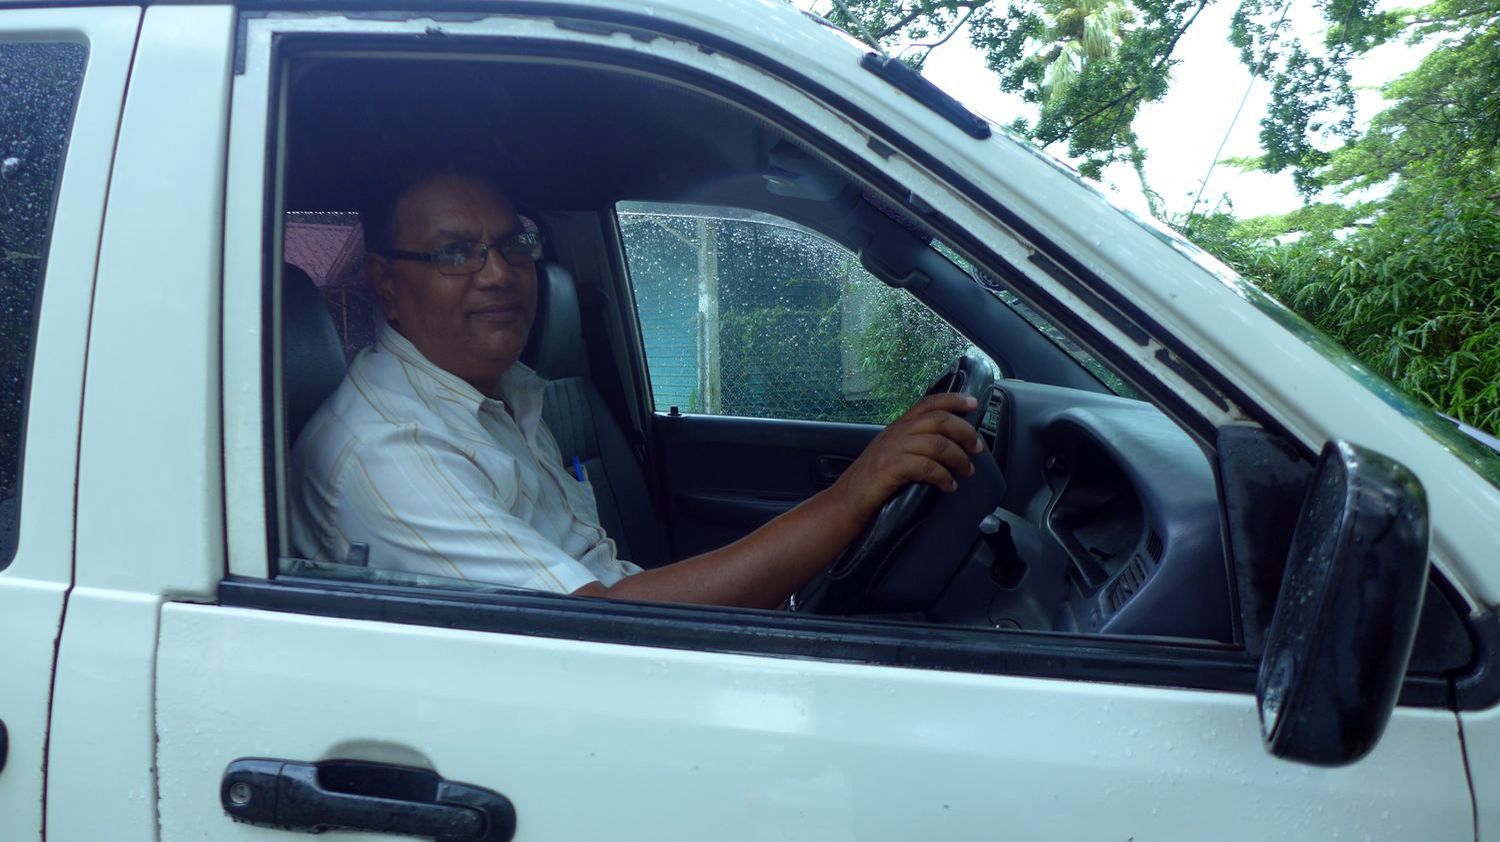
[1351,595]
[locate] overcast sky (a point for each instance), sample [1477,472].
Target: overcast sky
[1182,133]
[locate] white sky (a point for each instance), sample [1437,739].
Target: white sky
[1182,132]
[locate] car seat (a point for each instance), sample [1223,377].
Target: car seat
[312,353]
[583,425]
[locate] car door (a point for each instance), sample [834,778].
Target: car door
[356,693]
[63,74]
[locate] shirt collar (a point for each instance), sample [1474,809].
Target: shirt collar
[521,389]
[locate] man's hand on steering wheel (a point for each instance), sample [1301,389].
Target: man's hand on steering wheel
[927,447]
[929,444]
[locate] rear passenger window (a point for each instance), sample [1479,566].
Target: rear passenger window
[747,314]
[39,84]
[329,247]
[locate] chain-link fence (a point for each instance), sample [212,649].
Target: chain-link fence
[760,319]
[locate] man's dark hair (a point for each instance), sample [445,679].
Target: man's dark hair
[377,216]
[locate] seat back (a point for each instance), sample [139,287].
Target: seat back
[583,425]
[312,354]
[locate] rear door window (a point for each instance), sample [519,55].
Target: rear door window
[39,83]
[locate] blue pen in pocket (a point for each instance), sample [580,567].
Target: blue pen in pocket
[578,469]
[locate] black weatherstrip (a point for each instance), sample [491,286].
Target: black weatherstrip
[1119,660]
[1054,271]
[1477,687]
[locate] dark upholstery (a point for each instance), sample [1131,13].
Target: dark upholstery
[581,422]
[312,354]
[583,426]
[555,348]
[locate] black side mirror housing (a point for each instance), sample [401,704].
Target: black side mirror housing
[1351,596]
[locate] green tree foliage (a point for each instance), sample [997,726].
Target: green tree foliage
[1413,293]
[1410,281]
[1089,65]
[1312,103]
[1444,120]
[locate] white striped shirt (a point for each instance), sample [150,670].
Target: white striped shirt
[438,479]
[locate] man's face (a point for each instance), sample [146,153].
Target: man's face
[472,325]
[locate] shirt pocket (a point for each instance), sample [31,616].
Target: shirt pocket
[516,488]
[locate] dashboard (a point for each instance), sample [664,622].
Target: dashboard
[1109,523]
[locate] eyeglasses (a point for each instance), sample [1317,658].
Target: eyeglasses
[520,250]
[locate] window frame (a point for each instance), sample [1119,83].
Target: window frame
[252,581]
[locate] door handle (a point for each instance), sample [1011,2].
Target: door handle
[356,795]
[830,468]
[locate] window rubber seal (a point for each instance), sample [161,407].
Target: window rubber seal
[1184,665]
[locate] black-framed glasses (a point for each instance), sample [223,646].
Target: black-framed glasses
[521,249]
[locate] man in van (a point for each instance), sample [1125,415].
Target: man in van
[433,451]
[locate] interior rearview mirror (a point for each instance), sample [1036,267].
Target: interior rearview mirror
[1344,623]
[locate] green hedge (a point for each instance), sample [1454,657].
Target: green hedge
[1414,292]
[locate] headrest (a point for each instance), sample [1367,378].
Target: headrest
[555,348]
[312,355]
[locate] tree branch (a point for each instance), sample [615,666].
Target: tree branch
[946,38]
[1156,65]
[906,19]
[1113,103]
[1177,36]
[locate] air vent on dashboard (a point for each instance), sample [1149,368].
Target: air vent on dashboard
[1153,545]
[1127,583]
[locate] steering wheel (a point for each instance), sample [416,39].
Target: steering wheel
[840,588]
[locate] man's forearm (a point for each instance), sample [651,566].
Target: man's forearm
[758,571]
[928,444]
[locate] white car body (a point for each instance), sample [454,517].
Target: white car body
[129,685]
